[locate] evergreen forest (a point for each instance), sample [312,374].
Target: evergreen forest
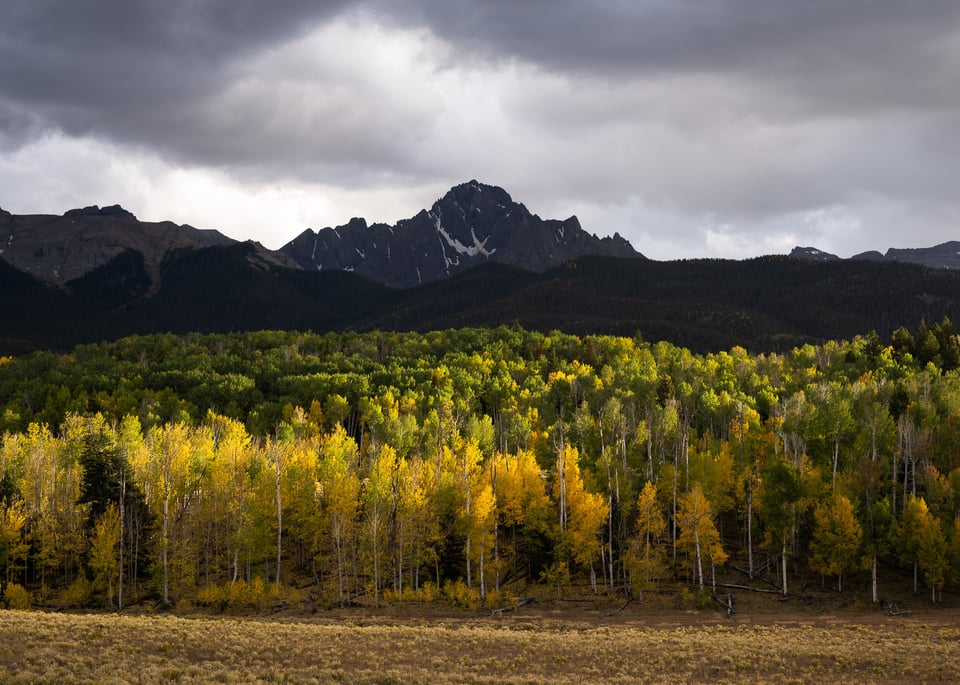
[469,465]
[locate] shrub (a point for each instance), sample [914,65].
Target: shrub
[428,592]
[213,596]
[78,594]
[497,599]
[17,597]
[256,595]
[458,594]
[685,599]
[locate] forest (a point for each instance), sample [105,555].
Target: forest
[240,470]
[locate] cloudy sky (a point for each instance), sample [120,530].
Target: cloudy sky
[695,128]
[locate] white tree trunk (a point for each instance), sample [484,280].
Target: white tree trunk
[784,556]
[279,517]
[696,545]
[750,532]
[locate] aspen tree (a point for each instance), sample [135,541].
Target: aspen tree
[836,538]
[651,526]
[587,513]
[338,489]
[12,545]
[698,532]
[104,560]
[779,495]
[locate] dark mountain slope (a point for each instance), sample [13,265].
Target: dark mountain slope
[35,316]
[770,303]
[232,288]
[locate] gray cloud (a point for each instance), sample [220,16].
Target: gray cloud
[125,67]
[736,125]
[878,51]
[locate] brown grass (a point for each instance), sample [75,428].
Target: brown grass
[533,648]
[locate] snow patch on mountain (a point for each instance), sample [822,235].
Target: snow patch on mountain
[479,247]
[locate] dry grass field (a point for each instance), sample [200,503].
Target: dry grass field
[535,647]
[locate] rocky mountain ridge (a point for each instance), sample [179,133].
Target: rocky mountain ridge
[471,224]
[59,249]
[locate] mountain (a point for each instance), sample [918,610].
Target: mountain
[58,249]
[943,256]
[484,260]
[472,224]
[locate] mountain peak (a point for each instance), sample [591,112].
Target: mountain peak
[474,193]
[471,224]
[813,253]
[115,211]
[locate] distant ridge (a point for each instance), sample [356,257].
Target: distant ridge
[59,249]
[943,256]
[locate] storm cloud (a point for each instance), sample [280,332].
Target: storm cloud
[693,127]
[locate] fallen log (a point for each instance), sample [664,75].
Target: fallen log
[523,601]
[747,587]
[618,609]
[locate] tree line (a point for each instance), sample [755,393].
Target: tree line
[229,469]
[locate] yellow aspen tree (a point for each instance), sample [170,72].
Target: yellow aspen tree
[233,468]
[299,486]
[836,538]
[104,559]
[12,545]
[166,481]
[63,520]
[278,455]
[403,491]
[932,553]
[698,534]
[752,446]
[48,478]
[421,516]
[468,469]
[376,495]
[259,535]
[524,503]
[481,531]
[133,520]
[649,559]
[586,515]
[496,465]
[954,558]
[915,513]
[338,491]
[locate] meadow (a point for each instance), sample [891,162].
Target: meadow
[40,647]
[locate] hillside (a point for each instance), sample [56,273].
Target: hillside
[769,303]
